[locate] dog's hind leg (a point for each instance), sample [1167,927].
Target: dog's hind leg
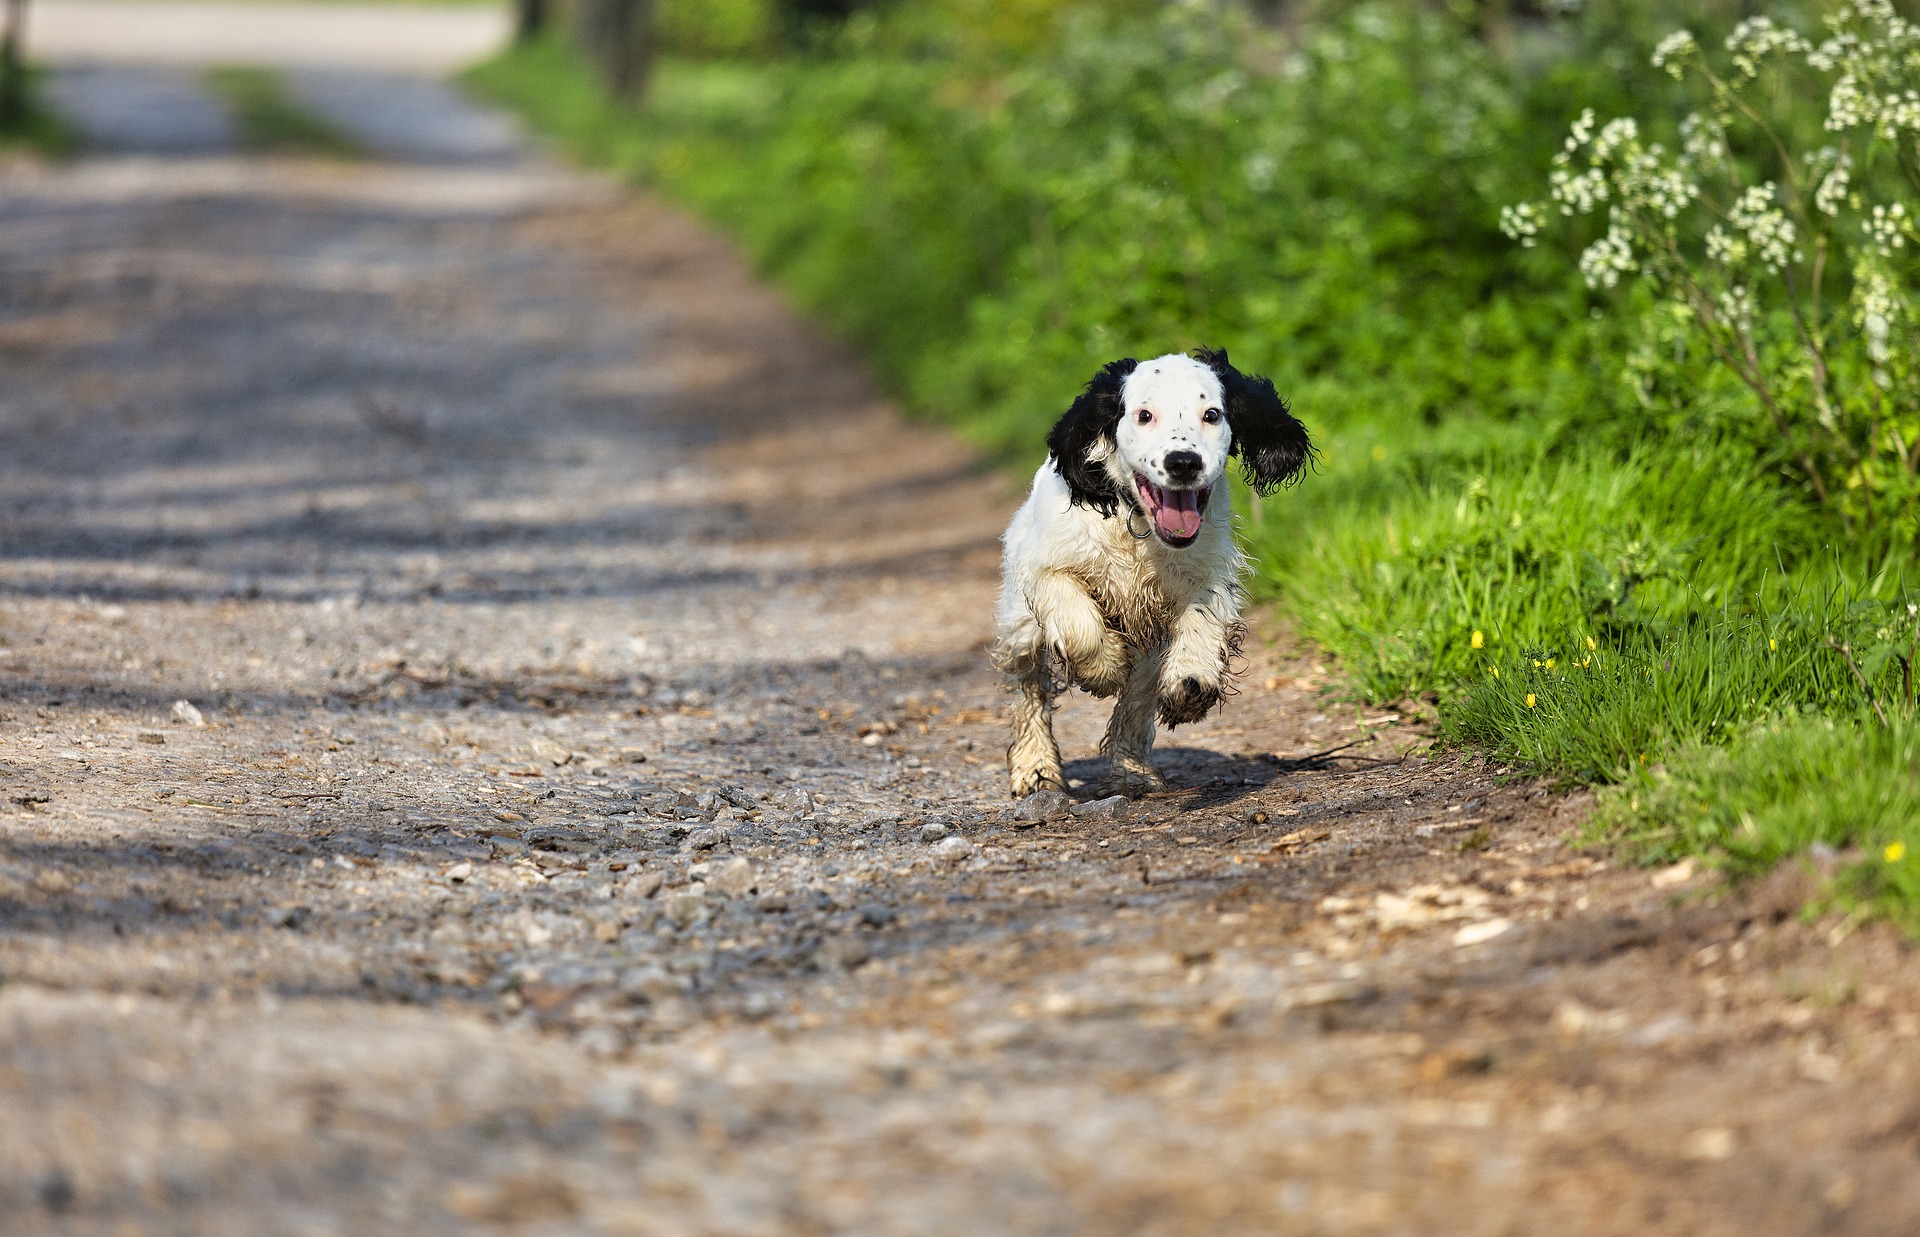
[1033,757]
[1128,742]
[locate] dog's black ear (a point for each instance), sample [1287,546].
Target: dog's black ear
[1273,447]
[1073,438]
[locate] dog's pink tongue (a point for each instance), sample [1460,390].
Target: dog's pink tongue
[1177,515]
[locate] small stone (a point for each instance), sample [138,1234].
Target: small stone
[50,881]
[706,839]
[735,877]
[772,903]
[841,953]
[152,736]
[685,908]
[933,831]
[186,714]
[758,1005]
[551,752]
[1110,808]
[294,917]
[953,850]
[1042,805]
[1482,932]
[607,931]
[877,916]
[503,845]
[1714,1143]
[460,872]
[643,885]
[646,983]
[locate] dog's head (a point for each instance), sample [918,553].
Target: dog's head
[1156,435]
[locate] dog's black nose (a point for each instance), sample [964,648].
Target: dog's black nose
[1183,466]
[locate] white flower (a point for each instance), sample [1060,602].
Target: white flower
[1832,192]
[1673,53]
[1577,193]
[1608,258]
[1756,39]
[1887,228]
[1768,231]
[1521,223]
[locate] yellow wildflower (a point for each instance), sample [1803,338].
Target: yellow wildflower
[1772,643]
[1591,644]
[1479,641]
[1529,700]
[1549,663]
[1494,671]
[1895,851]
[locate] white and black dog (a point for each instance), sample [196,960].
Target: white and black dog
[1115,577]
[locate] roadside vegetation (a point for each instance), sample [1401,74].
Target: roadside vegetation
[28,124]
[269,119]
[1605,331]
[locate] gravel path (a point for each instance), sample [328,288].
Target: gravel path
[585,685]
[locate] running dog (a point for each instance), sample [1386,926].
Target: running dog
[1116,577]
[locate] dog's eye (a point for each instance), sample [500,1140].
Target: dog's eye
[1211,416]
[1144,416]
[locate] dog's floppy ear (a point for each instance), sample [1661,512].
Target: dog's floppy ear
[1273,447]
[1075,437]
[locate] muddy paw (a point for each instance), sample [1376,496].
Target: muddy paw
[1024,782]
[1189,700]
[1133,783]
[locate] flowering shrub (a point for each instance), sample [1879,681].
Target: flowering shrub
[1786,261]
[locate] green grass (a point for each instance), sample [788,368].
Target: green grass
[270,120]
[1848,783]
[41,130]
[1545,519]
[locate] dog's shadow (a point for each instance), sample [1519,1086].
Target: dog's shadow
[1196,778]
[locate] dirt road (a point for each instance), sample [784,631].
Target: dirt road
[584,689]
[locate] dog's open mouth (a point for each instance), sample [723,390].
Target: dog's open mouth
[1175,513]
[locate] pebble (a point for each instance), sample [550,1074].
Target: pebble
[294,917]
[1110,808]
[645,983]
[841,953]
[460,872]
[685,908]
[186,714]
[933,831]
[877,916]
[953,849]
[706,839]
[1043,805]
[644,885]
[735,877]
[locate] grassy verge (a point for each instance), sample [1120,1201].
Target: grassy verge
[41,130]
[269,119]
[1554,524]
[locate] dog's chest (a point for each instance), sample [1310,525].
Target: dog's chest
[1138,600]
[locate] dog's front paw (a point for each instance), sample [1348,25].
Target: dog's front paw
[1026,781]
[1102,672]
[1187,699]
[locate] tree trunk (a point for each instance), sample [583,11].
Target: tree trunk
[13,66]
[618,38]
[529,19]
